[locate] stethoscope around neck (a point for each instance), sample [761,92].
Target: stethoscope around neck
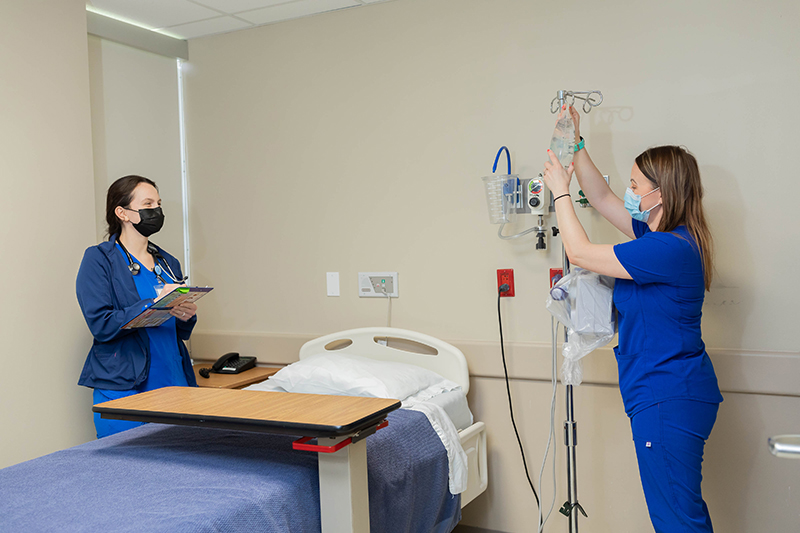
[134,267]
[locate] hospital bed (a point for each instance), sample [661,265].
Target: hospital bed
[175,478]
[396,345]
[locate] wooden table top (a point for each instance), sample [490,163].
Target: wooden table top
[232,381]
[309,415]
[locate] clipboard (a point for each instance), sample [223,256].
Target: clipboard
[158,313]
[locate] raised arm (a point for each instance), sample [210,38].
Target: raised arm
[596,189]
[598,258]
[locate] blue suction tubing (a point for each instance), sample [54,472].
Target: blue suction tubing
[509,185]
[497,158]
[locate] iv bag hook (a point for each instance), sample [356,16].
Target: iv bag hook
[590,100]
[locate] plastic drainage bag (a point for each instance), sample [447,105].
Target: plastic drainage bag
[583,301]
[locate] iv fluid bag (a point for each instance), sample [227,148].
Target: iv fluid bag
[563,143]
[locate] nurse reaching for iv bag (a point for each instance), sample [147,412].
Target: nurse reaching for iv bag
[668,384]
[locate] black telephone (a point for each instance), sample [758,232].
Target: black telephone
[230,363]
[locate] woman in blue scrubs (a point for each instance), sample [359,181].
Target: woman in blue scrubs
[666,378]
[117,280]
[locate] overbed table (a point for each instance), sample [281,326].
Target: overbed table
[340,424]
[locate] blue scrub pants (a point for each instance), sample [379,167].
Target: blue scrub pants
[108,426]
[669,439]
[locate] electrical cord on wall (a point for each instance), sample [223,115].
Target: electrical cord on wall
[389,319]
[504,288]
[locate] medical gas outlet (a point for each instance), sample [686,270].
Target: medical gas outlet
[378,285]
[533,198]
[537,199]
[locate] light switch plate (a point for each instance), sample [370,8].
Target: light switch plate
[333,283]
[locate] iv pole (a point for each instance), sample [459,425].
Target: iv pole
[571,506]
[570,426]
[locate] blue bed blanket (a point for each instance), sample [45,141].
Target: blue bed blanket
[158,478]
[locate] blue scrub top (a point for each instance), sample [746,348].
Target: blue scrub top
[166,365]
[661,355]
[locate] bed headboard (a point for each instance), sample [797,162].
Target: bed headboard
[443,358]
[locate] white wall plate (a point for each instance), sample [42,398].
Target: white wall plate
[373,285]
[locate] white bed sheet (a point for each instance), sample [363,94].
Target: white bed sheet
[455,405]
[447,412]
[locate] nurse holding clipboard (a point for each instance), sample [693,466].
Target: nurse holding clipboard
[117,280]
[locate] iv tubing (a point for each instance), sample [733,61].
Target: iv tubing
[552,433]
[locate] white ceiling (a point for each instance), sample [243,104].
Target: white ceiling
[187,19]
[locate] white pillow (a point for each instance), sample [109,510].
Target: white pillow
[353,375]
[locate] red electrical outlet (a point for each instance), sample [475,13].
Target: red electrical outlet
[555,275]
[506,276]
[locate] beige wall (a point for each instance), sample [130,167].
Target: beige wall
[136,130]
[354,141]
[46,222]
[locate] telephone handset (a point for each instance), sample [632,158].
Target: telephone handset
[230,363]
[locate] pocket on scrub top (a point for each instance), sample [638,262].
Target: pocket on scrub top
[627,364]
[110,363]
[624,355]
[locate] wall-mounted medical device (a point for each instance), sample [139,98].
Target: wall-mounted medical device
[507,196]
[378,285]
[502,192]
[582,201]
[537,199]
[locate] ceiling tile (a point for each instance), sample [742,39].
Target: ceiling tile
[293,10]
[235,6]
[153,13]
[205,27]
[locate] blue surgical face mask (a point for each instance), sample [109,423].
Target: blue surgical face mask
[633,202]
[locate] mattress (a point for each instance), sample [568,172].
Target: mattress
[159,478]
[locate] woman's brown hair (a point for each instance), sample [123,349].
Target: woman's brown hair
[120,193]
[674,169]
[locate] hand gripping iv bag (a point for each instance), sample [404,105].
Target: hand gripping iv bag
[583,301]
[563,141]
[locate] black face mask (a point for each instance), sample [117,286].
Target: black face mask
[151,221]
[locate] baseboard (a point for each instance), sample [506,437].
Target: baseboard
[470,529]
